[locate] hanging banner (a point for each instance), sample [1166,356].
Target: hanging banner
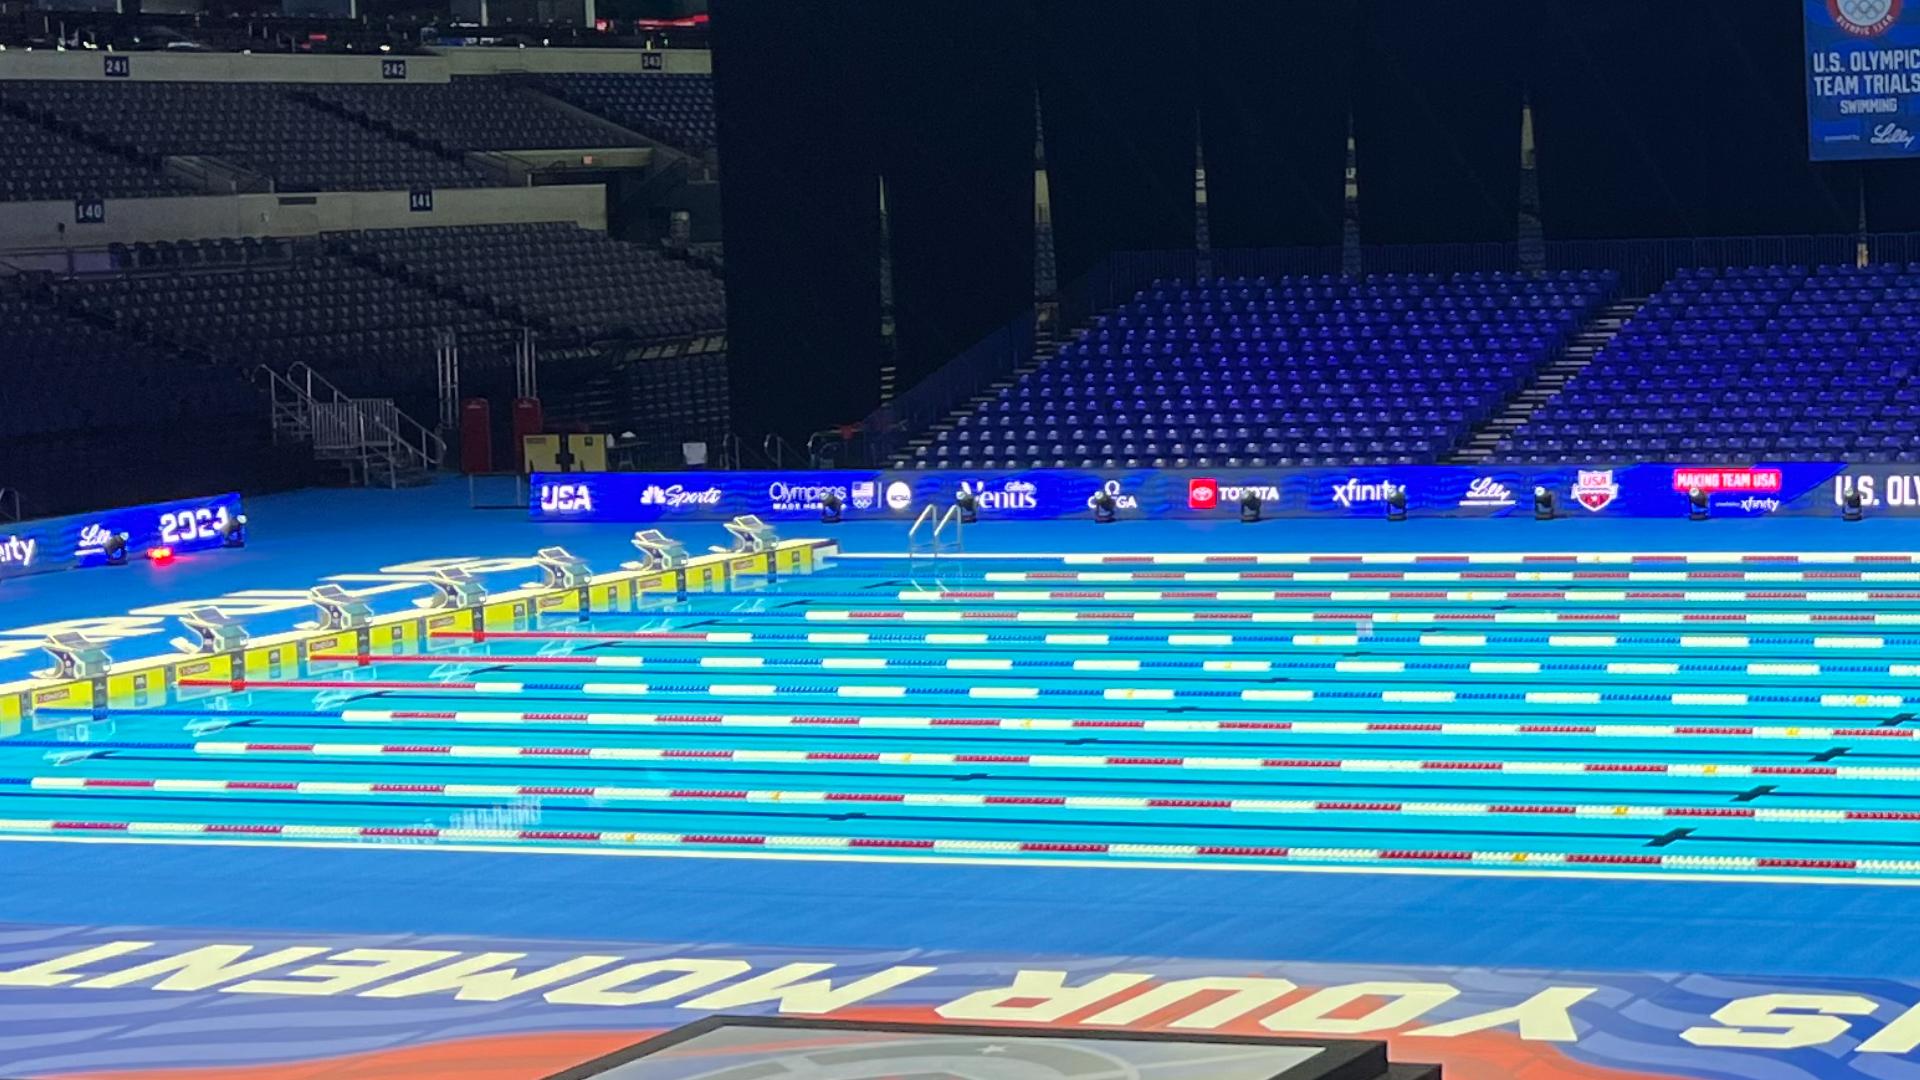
[1863,78]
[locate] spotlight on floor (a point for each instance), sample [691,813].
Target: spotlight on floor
[1543,508]
[1397,504]
[1249,508]
[1696,505]
[115,549]
[969,506]
[830,507]
[1852,507]
[233,531]
[1105,508]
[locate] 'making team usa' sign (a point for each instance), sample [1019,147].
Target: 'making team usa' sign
[1863,78]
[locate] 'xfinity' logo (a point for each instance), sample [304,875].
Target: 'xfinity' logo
[1753,504]
[565,498]
[1892,135]
[1353,491]
[1012,495]
[678,496]
[1487,493]
[17,551]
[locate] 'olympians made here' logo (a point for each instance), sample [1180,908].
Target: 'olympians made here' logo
[1864,18]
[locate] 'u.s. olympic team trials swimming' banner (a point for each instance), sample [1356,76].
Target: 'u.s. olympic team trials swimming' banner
[1644,490]
[1863,78]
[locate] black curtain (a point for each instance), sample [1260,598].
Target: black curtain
[1117,96]
[1892,194]
[1436,119]
[801,203]
[1274,86]
[1650,122]
[957,118]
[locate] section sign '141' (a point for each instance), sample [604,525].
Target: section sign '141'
[1863,78]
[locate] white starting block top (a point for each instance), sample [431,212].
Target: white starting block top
[454,588]
[658,551]
[75,656]
[214,632]
[339,609]
[560,569]
[750,536]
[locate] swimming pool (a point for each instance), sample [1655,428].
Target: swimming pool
[1747,716]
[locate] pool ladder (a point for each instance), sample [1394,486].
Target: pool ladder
[937,524]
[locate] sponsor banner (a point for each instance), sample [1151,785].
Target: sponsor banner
[403,1005]
[1600,489]
[1863,78]
[1883,489]
[32,547]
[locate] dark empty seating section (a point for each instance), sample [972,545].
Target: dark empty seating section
[95,418]
[261,127]
[1299,371]
[36,163]
[555,276]
[1733,366]
[363,331]
[675,109]
[475,114]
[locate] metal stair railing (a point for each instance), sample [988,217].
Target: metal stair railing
[370,436]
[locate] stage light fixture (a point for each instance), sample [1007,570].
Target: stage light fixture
[1696,505]
[1542,504]
[1397,504]
[233,531]
[969,505]
[115,549]
[1105,508]
[1249,508]
[1852,506]
[830,506]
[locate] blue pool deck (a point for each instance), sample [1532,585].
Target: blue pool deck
[1072,740]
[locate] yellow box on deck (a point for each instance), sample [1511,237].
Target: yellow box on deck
[448,620]
[268,657]
[205,667]
[506,613]
[567,600]
[68,695]
[334,643]
[392,635]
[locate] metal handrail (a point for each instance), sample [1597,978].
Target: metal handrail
[422,442]
[951,517]
[913,531]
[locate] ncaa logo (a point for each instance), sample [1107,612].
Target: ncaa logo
[899,496]
[1202,494]
[1864,18]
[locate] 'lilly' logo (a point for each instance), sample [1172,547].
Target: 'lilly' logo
[1892,135]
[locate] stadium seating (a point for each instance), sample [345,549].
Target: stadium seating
[474,114]
[96,418]
[1732,366]
[358,328]
[261,127]
[1300,371]
[36,163]
[675,109]
[571,282]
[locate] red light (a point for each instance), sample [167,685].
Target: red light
[160,554]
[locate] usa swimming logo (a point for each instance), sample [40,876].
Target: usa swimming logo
[1595,489]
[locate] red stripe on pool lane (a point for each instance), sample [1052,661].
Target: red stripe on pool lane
[1765,863]
[111,782]
[282,747]
[883,842]
[405,789]
[92,826]
[689,793]
[249,830]
[331,684]
[1024,800]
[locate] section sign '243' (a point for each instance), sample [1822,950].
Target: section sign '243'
[1863,78]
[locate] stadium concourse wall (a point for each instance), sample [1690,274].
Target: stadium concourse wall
[52,226]
[159,680]
[1580,491]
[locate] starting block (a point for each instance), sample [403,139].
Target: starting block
[214,632]
[339,609]
[561,569]
[658,552]
[750,536]
[75,656]
[453,588]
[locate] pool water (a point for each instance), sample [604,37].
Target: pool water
[1721,715]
